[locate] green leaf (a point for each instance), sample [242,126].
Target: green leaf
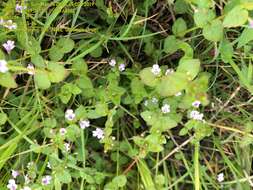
[236,17]
[63,176]
[181,7]
[203,16]
[120,180]
[56,72]
[245,37]
[42,80]
[38,61]
[190,67]
[55,54]
[226,51]
[79,67]
[148,78]
[65,45]
[172,84]
[170,44]
[97,52]
[3,118]
[179,27]
[213,31]
[7,80]
[149,117]
[138,90]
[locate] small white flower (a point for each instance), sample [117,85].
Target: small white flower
[84,124]
[14,174]
[169,71]
[145,103]
[49,165]
[154,100]
[70,115]
[220,177]
[46,180]
[27,179]
[26,188]
[178,94]
[9,45]
[12,185]
[196,104]
[165,108]
[63,131]
[10,25]
[196,115]
[112,62]
[251,24]
[29,164]
[156,69]
[1,21]
[3,66]
[99,133]
[67,146]
[20,8]
[122,67]
[30,68]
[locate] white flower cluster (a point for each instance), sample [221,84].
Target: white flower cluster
[83,123]
[12,183]
[121,66]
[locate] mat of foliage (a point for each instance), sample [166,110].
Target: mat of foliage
[126,95]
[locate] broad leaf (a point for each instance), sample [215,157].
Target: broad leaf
[236,17]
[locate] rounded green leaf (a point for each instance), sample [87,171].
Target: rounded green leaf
[120,180]
[236,17]
[37,60]
[170,44]
[203,16]
[179,27]
[213,31]
[148,78]
[65,44]
[7,80]
[56,72]
[55,53]
[172,84]
[190,67]
[42,81]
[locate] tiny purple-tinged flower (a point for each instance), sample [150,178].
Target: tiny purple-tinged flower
[31,69]
[165,108]
[9,45]
[63,131]
[84,124]
[14,174]
[112,62]
[70,115]
[10,25]
[196,104]
[122,67]
[3,66]
[99,133]
[46,180]
[156,69]
[20,8]
[12,185]
[1,21]
[196,115]
[251,24]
